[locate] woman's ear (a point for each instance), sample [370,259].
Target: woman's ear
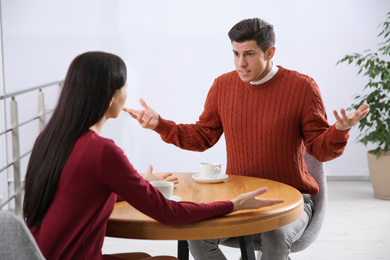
[110,108]
[112,101]
[108,111]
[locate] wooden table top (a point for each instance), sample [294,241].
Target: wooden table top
[127,222]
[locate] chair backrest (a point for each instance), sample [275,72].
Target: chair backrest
[16,241]
[315,168]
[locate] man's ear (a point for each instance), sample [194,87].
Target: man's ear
[270,52]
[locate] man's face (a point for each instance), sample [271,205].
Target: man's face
[251,62]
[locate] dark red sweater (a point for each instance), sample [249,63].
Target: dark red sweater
[266,127]
[97,170]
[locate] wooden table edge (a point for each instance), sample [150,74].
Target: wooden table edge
[201,230]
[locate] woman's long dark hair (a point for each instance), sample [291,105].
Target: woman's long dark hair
[91,81]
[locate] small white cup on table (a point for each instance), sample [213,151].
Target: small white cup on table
[165,187]
[210,170]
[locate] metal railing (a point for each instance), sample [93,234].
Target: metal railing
[15,140]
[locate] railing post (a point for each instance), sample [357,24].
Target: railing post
[16,156]
[4,152]
[41,110]
[60,89]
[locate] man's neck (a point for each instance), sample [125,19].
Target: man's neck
[274,69]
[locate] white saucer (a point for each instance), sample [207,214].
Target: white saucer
[174,198]
[220,178]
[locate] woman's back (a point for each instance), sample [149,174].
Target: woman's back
[74,225]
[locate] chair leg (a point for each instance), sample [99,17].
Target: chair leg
[182,250]
[247,248]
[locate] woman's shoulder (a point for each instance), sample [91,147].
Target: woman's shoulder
[100,147]
[95,142]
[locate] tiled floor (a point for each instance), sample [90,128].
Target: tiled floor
[357,227]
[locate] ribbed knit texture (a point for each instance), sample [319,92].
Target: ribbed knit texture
[266,127]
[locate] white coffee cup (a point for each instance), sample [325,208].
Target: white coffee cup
[165,187]
[210,170]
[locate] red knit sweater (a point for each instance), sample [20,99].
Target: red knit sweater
[266,127]
[75,223]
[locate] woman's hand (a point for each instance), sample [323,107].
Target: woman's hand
[249,201]
[150,176]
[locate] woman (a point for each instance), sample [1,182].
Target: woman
[74,175]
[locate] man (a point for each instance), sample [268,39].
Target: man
[269,116]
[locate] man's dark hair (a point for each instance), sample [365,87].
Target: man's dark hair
[253,29]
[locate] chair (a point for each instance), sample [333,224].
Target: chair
[16,241]
[315,168]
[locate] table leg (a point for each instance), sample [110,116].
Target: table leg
[182,250]
[247,249]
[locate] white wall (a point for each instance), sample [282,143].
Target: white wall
[175,49]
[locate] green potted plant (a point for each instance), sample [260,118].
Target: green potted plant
[375,127]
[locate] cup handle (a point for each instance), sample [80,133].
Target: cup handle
[217,173]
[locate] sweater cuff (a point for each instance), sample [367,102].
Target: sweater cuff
[225,207]
[231,207]
[339,135]
[162,126]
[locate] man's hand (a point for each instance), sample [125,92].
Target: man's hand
[346,122]
[147,118]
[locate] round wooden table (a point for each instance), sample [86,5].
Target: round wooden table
[127,222]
